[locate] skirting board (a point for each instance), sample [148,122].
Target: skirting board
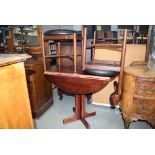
[103,104]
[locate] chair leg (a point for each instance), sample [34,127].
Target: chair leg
[89,98]
[114,98]
[60,93]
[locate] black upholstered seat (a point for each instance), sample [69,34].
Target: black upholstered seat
[104,73]
[60,31]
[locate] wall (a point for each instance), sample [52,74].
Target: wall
[134,52]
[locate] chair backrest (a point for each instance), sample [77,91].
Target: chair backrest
[103,35]
[109,34]
[100,35]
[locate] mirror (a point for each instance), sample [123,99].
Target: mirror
[151,49]
[20,38]
[24,36]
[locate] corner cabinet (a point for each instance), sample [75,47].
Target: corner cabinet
[138,100]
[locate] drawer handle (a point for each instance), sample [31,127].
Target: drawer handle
[144,109]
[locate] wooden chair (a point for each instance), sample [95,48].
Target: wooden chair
[108,68]
[59,36]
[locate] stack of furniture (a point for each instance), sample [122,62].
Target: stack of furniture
[75,79]
[138,102]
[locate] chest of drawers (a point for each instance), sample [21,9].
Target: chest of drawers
[138,99]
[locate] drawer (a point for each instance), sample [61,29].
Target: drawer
[145,107]
[145,88]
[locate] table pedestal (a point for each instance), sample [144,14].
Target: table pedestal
[80,112]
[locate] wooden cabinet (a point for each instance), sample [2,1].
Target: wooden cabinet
[40,89]
[138,100]
[15,110]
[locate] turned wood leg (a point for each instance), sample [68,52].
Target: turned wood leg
[60,93]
